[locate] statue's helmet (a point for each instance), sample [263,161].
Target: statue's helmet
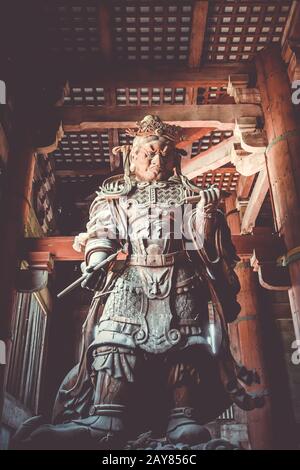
[153,126]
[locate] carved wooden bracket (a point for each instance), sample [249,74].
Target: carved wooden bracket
[271,276]
[242,95]
[53,146]
[246,164]
[248,155]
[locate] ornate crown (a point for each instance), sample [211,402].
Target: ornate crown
[153,125]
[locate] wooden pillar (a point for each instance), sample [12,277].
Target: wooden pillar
[15,210]
[283,162]
[246,341]
[251,353]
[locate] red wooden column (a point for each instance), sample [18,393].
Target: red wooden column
[252,354]
[246,340]
[283,161]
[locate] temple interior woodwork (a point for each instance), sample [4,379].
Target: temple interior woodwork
[74,77]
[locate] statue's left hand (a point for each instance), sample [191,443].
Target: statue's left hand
[208,206]
[210,196]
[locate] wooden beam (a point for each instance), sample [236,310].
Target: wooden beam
[256,201]
[61,247]
[191,135]
[191,95]
[223,117]
[95,75]
[291,41]
[213,158]
[190,98]
[291,30]
[105,29]
[82,172]
[197,36]
[244,186]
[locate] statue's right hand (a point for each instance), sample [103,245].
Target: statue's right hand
[94,280]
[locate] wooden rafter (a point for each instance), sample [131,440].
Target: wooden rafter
[105,29]
[82,172]
[191,135]
[290,42]
[291,30]
[61,247]
[197,33]
[209,160]
[244,186]
[111,76]
[191,95]
[256,201]
[223,117]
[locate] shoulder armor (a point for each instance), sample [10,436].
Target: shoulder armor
[113,187]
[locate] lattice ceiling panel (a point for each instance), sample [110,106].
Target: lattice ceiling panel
[145,96]
[211,94]
[225,178]
[237,30]
[152,31]
[150,96]
[81,96]
[214,138]
[124,139]
[79,179]
[86,150]
[73,28]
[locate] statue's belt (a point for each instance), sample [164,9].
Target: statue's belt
[156,260]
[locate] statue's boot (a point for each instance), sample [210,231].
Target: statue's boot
[184,428]
[106,425]
[25,430]
[103,429]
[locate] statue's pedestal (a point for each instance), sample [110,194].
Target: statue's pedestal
[146,442]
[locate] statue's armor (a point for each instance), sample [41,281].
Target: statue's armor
[158,301]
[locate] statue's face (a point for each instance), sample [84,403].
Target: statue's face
[153,161]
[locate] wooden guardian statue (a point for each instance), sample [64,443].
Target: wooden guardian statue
[148,359]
